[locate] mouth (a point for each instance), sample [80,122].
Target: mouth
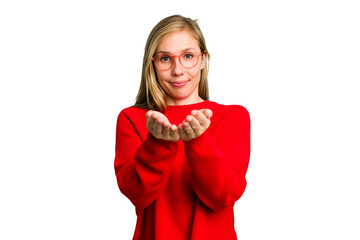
[179,83]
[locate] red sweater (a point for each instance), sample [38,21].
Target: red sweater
[186,189]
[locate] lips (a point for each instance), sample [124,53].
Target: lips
[179,83]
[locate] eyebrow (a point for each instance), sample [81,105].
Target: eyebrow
[184,50]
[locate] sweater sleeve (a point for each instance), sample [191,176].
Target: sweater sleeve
[142,167]
[218,168]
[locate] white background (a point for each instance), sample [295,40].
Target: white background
[67,68]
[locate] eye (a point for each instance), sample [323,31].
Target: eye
[165,58]
[188,56]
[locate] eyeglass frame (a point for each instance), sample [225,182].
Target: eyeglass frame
[178,56]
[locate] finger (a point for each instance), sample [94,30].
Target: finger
[158,126]
[174,127]
[190,134]
[174,133]
[207,112]
[164,117]
[150,123]
[196,127]
[166,128]
[166,123]
[182,132]
[203,120]
[157,114]
[148,114]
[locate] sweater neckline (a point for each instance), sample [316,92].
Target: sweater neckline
[185,107]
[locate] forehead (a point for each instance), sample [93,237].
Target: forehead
[178,41]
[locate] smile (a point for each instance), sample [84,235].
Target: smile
[179,83]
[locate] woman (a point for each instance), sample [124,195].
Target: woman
[180,158]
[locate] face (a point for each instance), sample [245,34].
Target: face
[181,84]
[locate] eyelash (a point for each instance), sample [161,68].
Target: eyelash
[188,55]
[167,57]
[163,58]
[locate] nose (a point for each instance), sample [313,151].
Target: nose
[177,69]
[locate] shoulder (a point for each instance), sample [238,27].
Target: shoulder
[129,111]
[132,114]
[132,120]
[233,111]
[228,120]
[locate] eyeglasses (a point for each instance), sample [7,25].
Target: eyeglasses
[165,61]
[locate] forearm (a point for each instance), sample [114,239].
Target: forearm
[142,178]
[142,162]
[217,178]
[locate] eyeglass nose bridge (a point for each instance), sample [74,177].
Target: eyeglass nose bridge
[173,61]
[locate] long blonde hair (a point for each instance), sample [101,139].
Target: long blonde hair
[151,95]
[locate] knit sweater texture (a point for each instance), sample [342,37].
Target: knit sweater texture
[186,189]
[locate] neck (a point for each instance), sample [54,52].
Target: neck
[187,101]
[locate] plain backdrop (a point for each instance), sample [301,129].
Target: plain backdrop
[67,68]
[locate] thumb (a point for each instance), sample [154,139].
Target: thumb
[148,114]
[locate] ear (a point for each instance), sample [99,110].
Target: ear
[203,61]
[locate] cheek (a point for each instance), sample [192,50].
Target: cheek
[195,73]
[161,76]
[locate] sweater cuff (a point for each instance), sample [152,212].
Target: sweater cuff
[160,142]
[203,139]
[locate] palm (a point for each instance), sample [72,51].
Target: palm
[160,127]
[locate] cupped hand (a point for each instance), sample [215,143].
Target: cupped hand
[195,124]
[160,127]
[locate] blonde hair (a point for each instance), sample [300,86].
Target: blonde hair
[151,95]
